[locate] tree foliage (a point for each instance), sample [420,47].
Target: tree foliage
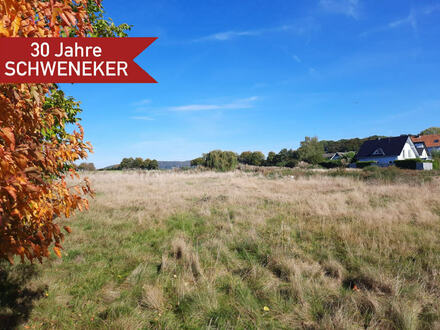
[345,145]
[36,151]
[256,158]
[311,150]
[221,160]
[431,131]
[200,161]
[138,163]
[285,158]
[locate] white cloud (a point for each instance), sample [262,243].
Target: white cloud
[230,35]
[302,27]
[238,104]
[411,20]
[296,58]
[349,8]
[141,118]
[142,102]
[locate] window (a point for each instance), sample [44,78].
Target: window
[378,152]
[436,141]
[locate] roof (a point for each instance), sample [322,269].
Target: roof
[429,140]
[329,155]
[332,154]
[420,150]
[391,146]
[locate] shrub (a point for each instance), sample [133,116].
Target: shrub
[436,164]
[409,164]
[366,163]
[291,163]
[332,164]
[200,161]
[221,160]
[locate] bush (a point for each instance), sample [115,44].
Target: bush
[332,164]
[291,163]
[436,164]
[221,160]
[409,164]
[200,161]
[365,164]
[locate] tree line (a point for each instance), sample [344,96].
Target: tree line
[138,163]
[310,151]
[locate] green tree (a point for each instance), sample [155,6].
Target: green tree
[286,158]
[251,158]
[138,162]
[200,161]
[154,165]
[245,157]
[431,131]
[257,158]
[271,161]
[311,150]
[146,164]
[221,160]
[126,163]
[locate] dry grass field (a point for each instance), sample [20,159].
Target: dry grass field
[239,250]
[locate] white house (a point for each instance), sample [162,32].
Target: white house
[385,151]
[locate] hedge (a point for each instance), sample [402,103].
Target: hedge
[331,164]
[365,164]
[409,164]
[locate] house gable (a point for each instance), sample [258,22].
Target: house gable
[384,147]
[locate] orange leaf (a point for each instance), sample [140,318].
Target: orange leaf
[57,252]
[11,191]
[8,135]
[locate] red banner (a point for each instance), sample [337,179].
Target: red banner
[72,60]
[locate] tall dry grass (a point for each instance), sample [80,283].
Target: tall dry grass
[226,250]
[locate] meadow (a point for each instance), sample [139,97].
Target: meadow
[244,249]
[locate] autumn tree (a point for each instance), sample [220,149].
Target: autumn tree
[36,150]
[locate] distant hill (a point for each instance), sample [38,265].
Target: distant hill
[163,165]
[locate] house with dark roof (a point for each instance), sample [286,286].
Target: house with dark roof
[385,151]
[431,142]
[335,155]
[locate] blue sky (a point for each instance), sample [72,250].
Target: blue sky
[261,75]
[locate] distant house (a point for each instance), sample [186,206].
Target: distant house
[385,151]
[335,155]
[431,142]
